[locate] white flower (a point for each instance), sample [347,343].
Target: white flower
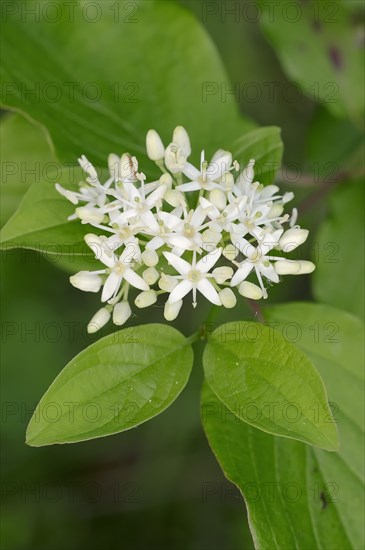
[211,175]
[185,233]
[194,277]
[93,193]
[257,260]
[142,222]
[225,219]
[119,268]
[138,205]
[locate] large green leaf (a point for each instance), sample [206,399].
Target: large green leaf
[100,82]
[113,385]
[319,47]
[25,159]
[298,496]
[269,383]
[339,277]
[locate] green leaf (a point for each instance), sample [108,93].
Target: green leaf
[25,159]
[113,385]
[269,383]
[113,78]
[265,146]
[319,47]
[300,497]
[40,223]
[338,278]
[294,498]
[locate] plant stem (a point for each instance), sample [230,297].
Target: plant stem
[256,309]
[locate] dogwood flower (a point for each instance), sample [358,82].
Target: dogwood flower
[210,175]
[194,276]
[160,237]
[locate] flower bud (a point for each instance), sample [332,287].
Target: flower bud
[228,298]
[221,274]
[149,257]
[121,313]
[211,237]
[171,311]
[245,178]
[114,166]
[128,168]
[88,168]
[86,281]
[275,211]
[218,198]
[294,267]
[166,180]
[249,290]
[175,159]
[167,283]
[292,238]
[90,214]
[268,191]
[154,145]
[287,197]
[230,252]
[100,319]
[150,275]
[181,138]
[174,198]
[146,298]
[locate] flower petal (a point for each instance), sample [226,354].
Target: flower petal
[135,280]
[191,186]
[242,273]
[191,172]
[111,286]
[182,266]
[207,262]
[269,272]
[180,290]
[207,289]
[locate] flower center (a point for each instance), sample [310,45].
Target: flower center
[256,256]
[189,231]
[119,268]
[194,276]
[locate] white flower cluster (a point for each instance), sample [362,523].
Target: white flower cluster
[196,229]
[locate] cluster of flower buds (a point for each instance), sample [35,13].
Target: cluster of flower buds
[204,229]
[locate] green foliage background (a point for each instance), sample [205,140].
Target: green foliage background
[159,486]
